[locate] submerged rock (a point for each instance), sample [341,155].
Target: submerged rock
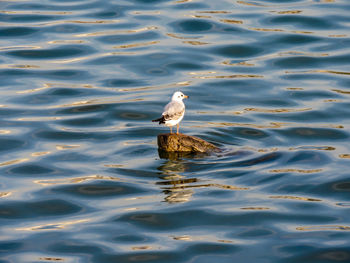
[172,142]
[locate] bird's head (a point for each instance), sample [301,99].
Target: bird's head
[179,96]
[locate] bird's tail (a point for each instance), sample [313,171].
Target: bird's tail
[160,120]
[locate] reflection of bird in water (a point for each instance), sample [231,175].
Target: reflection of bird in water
[174,111]
[175,186]
[178,196]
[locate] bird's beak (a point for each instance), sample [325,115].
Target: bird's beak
[186,97]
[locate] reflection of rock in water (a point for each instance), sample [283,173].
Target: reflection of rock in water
[179,155]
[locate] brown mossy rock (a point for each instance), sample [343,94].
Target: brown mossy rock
[172,142]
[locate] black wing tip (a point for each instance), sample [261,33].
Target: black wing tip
[160,120]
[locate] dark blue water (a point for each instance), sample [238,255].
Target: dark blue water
[81,179]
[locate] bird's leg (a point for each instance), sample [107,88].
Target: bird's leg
[177,131]
[171,129]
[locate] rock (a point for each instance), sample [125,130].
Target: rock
[172,142]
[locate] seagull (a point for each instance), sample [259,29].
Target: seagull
[174,111]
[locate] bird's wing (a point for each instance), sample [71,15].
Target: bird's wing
[173,110]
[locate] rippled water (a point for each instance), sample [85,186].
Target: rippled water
[81,177]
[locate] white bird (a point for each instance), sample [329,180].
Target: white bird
[174,111]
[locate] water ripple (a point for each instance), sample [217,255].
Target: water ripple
[81,177]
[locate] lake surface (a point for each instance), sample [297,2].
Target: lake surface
[81,179]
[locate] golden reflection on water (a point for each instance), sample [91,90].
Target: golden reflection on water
[341,91]
[225,241]
[24,12]
[16,161]
[344,156]
[319,71]
[229,76]
[214,12]
[294,89]
[95,102]
[333,72]
[341,35]
[141,248]
[272,125]
[117,32]
[180,37]
[225,186]
[250,4]
[160,87]
[146,12]
[332,100]
[66,41]
[199,16]
[72,60]
[113,165]
[295,198]
[39,154]
[261,150]
[39,119]
[253,62]
[5,131]
[231,21]
[255,208]
[121,53]
[51,259]
[280,30]
[274,149]
[21,66]
[75,180]
[243,63]
[65,22]
[266,29]
[302,53]
[67,147]
[311,147]
[19,47]
[143,44]
[188,238]
[289,12]
[53,226]
[182,1]
[5,194]
[45,86]
[90,22]
[261,110]
[183,238]
[291,170]
[202,73]
[195,43]
[324,228]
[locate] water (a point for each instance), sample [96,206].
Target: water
[81,179]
